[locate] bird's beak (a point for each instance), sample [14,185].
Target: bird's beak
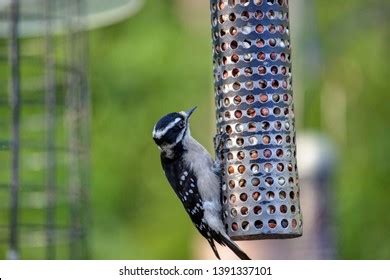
[190,111]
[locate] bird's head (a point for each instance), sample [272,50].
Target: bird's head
[172,129]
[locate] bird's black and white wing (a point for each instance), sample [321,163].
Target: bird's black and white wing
[184,183]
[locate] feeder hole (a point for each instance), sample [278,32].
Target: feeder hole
[263,98]
[236,86]
[233,198]
[283,209]
[260,43]
[292,208]
[251,112]
[265,125]
[294,223]
[258,224]
[235,58]
[281,181]
[229,129]
[247,44]
[271,14]
[261,56]
[253,140]
[256,196]
[276,98]
[262,70]
[259,14]
[257,210]
[272,224]
[243,197]
[267,153]
[253,154]
[279,152]
[270,195]
[233,212]
[255,168]
[267,167]
[264,112]
[245,225]
[259,28]
[248,71]
[269,181]
[251,127]
[244,2]
[280,167]
[255,182]
[239,127]
[271,209]
[240,155]
[245,15]
[282,195]
[250,99]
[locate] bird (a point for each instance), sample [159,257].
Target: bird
[195,177]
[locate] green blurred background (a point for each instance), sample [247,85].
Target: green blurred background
[159,61]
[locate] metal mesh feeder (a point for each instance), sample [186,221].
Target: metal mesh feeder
[254,99]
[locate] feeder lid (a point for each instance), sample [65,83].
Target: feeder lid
[93,14]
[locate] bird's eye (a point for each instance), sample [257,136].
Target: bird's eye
[181,124]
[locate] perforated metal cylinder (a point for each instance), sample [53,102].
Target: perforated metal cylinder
[254,99]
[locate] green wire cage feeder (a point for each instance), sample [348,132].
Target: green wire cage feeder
[44,124]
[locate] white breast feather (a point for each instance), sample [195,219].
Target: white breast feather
[208,182]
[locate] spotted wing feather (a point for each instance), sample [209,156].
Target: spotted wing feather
[184,183]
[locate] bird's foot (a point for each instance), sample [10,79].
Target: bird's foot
[219,144]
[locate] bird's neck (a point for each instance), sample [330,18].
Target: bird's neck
[178,149]
[173,151]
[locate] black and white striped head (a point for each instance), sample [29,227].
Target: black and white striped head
[171,129]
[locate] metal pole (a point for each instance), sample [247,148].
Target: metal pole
[84,133]
[73,118]
[15,129]
[50,103]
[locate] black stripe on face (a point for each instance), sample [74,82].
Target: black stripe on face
[171,136]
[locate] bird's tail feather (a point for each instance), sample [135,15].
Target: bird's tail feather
[212,245]
[234,247]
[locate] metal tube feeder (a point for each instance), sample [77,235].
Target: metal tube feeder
[254,100]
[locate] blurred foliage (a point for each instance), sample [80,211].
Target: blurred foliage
[154,63]
[140,70]
[355,38]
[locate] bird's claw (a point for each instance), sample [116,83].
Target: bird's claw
[219,143]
